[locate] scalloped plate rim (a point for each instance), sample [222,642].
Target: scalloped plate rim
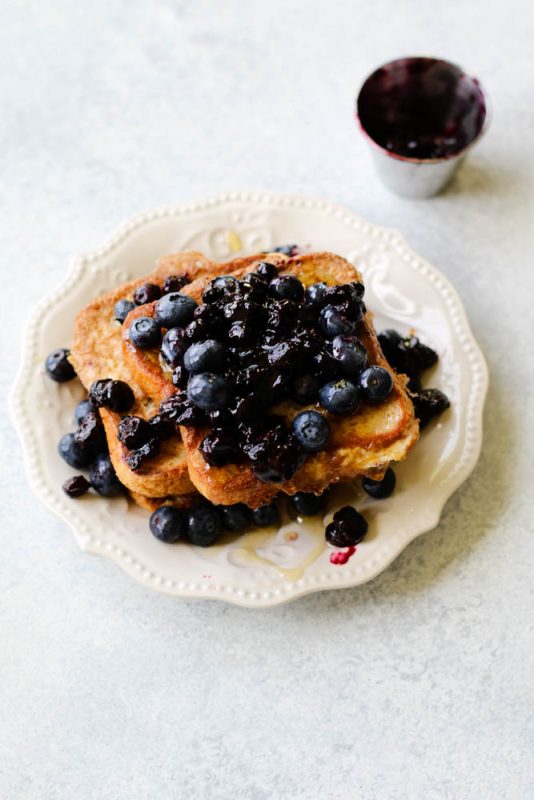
[223,592]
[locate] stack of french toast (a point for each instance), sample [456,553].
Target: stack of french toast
[247,379]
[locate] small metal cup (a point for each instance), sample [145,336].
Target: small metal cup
[427,106]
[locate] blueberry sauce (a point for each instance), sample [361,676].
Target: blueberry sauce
[421,108]
[342,556]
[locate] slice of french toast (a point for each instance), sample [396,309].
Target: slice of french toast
[363,443]
[96,353]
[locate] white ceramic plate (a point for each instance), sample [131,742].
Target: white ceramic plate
[267,567]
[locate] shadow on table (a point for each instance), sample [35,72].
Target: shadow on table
[478,179]
[469,515]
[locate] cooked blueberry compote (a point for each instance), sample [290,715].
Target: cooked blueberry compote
[253,343]
[410,357]
[422,108]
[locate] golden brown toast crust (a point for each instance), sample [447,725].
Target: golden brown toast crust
[362,444]
[96,352]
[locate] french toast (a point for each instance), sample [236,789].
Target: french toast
[96,353]
[363,443]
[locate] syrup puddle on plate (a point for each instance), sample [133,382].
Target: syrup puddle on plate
[279,548]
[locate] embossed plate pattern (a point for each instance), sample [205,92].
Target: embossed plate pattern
[260,569]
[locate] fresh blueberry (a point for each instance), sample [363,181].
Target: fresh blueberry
[315,294]
[266,270]
[340,397]
[115,395]
[102,476]
[83,408]
[58,366]
[347,529]
[205,356]
[380,489]
[208,391]
[287,287]
[312,430]
[75,454]
[334,323]
[76,486]
[122,309]
[350,353]
[173,346]
[203,525]
[174,309]
[267,515]
[287,249]
[307,504]
[376,384]
[146,293]
[168,524]
[236,517]
[145,332]
[225,282]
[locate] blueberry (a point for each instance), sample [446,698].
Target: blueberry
[307,504]
[287,287]
[340,397]
[315,294]
[90,435]
[102,476]
[174,283]
[311,430]
[173,346]
[133,432]
[205,356]
[347,529]
[174,309]
[266,270]
[236,517]
[76,486]
[161,428]
[168,524]
[179,410]
[267,515]
[180,377]
[220,447]
[122,309]
[73,453]
[115,395]
[136,458]
[58,366]
[145,333]
[304,389]
[428,404]
[203,525]
[326,367]
[208,391]
[350,353]
[380,489]
[225,282]
[334,323]
[376,384]
[146,293]
[287,249]
[83,408]
[280,462]
[390,341]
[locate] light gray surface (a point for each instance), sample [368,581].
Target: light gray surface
[418,685]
